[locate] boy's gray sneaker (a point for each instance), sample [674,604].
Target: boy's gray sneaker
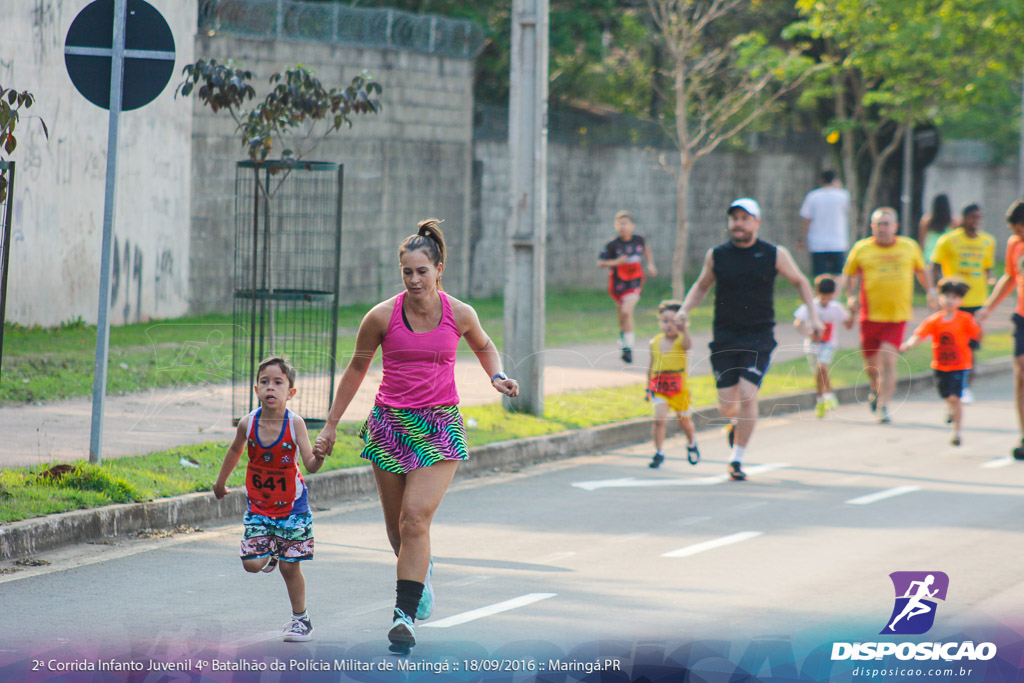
[298,630]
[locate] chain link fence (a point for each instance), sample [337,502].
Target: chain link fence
[337,23]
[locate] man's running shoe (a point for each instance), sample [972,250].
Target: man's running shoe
[692,454]
[1018,452]
[730,434]
[402,634]
[955,440]
[873,401]
[819,409]
[426,606]
[298,630]
[627,354]
[656,461]
[967,396]
[735,472]
[883,416]
[271,564]
[949,417]
[831,403]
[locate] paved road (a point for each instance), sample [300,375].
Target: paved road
[594,547]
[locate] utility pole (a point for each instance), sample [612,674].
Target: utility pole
[907,191]
[527,231]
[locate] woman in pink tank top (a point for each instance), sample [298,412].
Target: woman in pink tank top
[414,437]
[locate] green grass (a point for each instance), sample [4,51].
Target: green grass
[46,364]
[25,493]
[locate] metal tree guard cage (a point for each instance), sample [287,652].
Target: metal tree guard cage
[7,172]
[287,261]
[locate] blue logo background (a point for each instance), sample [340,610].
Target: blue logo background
[913,611]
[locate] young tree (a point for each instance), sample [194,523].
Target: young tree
[893,64]
[721,87]
[11,104]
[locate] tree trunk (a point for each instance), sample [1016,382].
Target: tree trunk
[682,226]
[877,167]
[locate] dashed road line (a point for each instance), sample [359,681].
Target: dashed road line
[882,495]
[497,608]
[712,544]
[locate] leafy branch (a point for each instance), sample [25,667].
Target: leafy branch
[297,100]
[11,104]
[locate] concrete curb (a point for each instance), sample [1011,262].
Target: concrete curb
[32,536]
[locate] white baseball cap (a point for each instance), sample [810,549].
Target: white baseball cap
[747,204]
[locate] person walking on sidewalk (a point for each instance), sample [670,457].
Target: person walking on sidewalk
[666,382]
[826,225]
[623,257]
[742,271]
[278,522]
[1013,278]
[969,254]
[879,279]
[414,436]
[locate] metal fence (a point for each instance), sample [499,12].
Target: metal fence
[337,23]
[7,172]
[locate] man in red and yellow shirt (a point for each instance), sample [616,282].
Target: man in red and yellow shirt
[879,279]
[1013,278]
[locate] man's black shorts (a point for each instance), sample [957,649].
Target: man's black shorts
[735,358]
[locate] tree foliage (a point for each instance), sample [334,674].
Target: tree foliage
[11,104]
[296,101]
[893,64]
[721,82]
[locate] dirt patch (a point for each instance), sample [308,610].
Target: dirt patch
[167,533]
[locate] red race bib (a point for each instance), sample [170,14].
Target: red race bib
[666,383]
[269,487]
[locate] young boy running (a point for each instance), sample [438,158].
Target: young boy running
[951,331]
[821,347]
[278,522]
[666,382]
[623,256]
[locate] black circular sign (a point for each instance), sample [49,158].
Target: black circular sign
[148,58]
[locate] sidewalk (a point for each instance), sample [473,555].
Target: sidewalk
[168,417]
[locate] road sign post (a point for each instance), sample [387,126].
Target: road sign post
[101,39]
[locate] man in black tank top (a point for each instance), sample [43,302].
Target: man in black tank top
[743,272]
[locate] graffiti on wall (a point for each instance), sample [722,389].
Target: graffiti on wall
[128,283]
[46,22]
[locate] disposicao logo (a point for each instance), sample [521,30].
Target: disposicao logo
[913,613]
[916,596]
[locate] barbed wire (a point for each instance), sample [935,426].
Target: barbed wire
[338,23]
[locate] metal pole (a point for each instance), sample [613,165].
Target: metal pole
[907,190]
[9,167]
[525,274]
[99,385]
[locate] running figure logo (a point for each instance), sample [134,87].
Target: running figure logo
[916,595]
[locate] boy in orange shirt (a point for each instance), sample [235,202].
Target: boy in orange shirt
[951,331]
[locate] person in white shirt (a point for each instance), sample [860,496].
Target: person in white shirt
[821,347]
[826,228]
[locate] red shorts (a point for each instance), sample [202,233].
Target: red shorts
[618,296]
[874,334]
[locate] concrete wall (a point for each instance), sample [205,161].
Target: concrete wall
[587,185]
[411,161]
[58,198]
[964,171]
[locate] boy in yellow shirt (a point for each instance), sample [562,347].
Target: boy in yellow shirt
[666,382]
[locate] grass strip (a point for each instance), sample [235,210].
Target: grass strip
[27,492]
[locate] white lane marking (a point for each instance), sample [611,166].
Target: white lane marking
[711,545]
[633,482]
[496,608]
[998,462]
[553,557]
[882,495]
